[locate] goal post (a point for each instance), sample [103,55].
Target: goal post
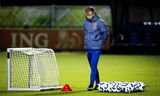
[32,69]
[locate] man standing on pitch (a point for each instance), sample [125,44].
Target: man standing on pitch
[96,33]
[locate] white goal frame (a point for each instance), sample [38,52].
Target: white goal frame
[32,88]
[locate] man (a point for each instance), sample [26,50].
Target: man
[96,33]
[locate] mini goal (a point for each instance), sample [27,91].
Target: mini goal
[32,69]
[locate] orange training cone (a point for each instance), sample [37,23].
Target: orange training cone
[66,88]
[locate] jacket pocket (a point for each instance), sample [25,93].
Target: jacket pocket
[96,36]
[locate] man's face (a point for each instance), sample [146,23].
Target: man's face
[90,15]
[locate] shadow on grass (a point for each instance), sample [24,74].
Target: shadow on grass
[59,93]
[41,93]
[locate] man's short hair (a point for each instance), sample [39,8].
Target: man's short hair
[90,8]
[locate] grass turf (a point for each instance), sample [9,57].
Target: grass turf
[74,70]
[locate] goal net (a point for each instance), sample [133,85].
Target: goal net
[32,69]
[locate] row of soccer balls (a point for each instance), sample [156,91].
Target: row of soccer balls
[115,86]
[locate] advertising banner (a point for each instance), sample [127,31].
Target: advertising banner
[44,38]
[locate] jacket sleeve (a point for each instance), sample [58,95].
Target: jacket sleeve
[83,26]
[104,31]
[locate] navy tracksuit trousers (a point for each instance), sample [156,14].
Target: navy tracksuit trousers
[93,57]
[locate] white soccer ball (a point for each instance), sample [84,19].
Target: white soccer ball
[107,88]
[141,86]
[118,87]
[114,86]
[123,86]
[138,86]
[102,86]
[101,89]
[129,88]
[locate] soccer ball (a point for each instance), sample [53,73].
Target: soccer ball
[123,85]
[101,89]
[118,87]
[108,88]
[142,86]
[129,88]
[102,86]
[114,86]
[138,86]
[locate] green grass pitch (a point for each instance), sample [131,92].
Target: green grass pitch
[74,70]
